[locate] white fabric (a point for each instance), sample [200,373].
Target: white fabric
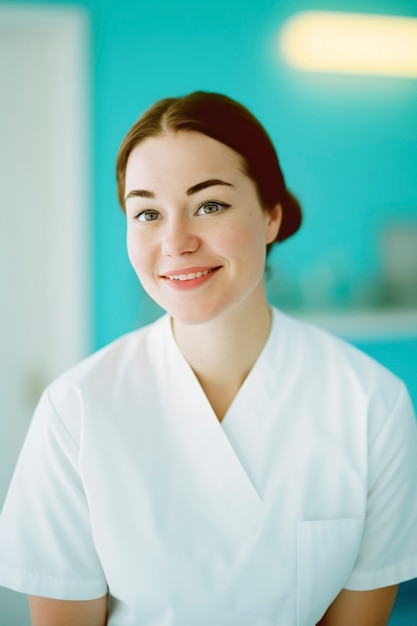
[128,482]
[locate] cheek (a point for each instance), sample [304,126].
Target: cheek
[249,238]
[137,252]
[131,249]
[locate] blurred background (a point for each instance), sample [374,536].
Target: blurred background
[74,76]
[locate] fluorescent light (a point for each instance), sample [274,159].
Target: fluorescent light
[351,43]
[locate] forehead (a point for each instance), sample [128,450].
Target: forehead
[182,153]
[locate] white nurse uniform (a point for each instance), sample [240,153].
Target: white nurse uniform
[128,484]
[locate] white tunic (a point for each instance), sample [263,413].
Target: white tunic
[128,483]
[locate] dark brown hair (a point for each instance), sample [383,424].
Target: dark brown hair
[229,122]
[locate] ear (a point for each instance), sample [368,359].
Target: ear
[273,223]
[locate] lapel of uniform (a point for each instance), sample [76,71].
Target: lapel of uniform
[224,456]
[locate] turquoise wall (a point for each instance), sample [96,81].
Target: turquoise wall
[348,145]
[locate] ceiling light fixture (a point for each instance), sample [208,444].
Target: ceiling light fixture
[351,43]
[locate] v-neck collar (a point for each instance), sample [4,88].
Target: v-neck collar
[221,450]
[257,378]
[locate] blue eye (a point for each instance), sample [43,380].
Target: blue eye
[147,216]
[208,208]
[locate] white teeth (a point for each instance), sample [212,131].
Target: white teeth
[189,276]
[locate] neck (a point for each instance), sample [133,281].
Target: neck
[222,351]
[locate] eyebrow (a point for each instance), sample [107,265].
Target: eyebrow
[207,183]
[211,182]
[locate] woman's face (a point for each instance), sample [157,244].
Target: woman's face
[196,232]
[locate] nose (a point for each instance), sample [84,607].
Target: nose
[179,237]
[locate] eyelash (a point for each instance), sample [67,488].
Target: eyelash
[222,206]
[141,217]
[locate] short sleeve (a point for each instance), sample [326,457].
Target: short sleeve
[388,552]
[46,542]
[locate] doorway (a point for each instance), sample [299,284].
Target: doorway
[45,313]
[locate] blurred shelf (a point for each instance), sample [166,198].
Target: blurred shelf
[389,324]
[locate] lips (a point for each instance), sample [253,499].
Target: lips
[189,277]
[188,273]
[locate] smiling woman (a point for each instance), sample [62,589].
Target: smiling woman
[190,221]
[226,465]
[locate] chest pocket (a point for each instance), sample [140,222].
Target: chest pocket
[327,551]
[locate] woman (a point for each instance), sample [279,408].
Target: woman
[226,465]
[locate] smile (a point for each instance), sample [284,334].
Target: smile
[190,276]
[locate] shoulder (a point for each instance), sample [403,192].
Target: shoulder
[124,362]
[117,353]
[309,342]
[335,371]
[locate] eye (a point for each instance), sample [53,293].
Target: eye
[147,216]
[210,207]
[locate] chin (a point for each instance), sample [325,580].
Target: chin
[189,318]
[194,315]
